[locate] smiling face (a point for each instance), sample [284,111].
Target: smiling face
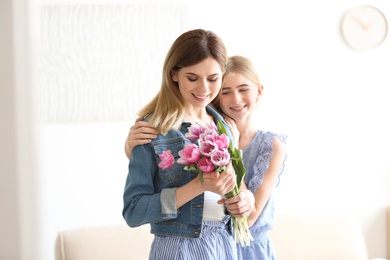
[239,97]
[199,84]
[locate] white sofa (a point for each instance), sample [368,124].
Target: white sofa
[296,237]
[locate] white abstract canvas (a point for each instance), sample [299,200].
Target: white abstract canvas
[102,62]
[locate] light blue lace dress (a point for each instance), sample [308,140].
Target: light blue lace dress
[256,160]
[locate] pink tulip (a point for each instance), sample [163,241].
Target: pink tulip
[205,165]
[206,147]
[222,142]
[220,157]
[189,155]
[194,132]
[167,160]
[208,135]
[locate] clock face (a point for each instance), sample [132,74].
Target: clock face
[364,27]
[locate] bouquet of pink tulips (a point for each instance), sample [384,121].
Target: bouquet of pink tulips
[214,153]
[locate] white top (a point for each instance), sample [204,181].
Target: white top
[212,211]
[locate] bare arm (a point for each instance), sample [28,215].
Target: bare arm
[263,193]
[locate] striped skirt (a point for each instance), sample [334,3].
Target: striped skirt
[215,242]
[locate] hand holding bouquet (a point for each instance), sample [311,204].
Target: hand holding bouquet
[214,153]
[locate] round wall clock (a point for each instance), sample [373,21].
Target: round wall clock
[364,27]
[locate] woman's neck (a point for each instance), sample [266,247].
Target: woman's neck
[197,116]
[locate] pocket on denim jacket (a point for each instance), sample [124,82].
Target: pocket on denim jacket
[176,172]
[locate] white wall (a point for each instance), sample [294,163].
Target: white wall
[19,218]
[330,100]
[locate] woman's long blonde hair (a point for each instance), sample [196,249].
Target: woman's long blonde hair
[166,109]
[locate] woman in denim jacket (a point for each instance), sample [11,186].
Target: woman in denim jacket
[187,218]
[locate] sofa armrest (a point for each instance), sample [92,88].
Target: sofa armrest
[115,242]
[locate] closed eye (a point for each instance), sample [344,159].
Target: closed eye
[192,80]
[195,79]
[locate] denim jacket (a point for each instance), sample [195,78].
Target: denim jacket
[150,192]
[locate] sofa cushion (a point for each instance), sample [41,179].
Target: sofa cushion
[318,237]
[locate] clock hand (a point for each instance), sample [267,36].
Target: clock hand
[370,24]
[362,24]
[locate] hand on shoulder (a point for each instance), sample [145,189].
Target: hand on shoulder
[140,133]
